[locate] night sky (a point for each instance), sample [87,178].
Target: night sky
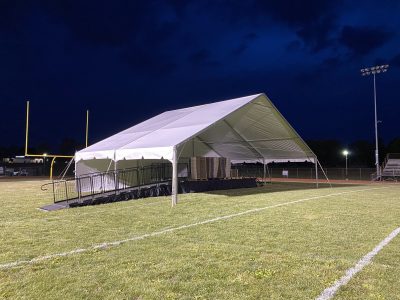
[127,61]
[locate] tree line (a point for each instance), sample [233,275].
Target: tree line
[361,152]
[329,152]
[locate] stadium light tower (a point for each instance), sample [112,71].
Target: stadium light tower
[373,71]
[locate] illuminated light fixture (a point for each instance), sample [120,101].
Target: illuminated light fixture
[365,72]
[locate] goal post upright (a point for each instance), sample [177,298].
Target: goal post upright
[53,156]
[27,128]
[87,127]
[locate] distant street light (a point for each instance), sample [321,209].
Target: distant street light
[44,162]
[346,153]
[365,72]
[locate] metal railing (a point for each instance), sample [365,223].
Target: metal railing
[304,173]
[393,156]
[108,183]
[116,182]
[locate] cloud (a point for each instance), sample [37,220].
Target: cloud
[363,40]
[138,30]
[297,12]
[313,21]
[317,35]
[244,44]
[99,23]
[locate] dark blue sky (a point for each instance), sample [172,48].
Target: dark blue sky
[126,61]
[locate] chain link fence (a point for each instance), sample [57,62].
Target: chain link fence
[305,173]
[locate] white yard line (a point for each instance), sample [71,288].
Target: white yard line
[329,292]
[168,230]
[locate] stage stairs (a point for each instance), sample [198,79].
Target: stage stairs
[111,186]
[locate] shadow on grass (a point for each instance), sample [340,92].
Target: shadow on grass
[275,187]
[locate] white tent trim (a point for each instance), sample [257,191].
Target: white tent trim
[243,129]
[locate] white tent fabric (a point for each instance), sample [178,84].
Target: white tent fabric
[242,129]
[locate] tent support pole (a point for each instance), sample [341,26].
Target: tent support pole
[316,171]
[174,177]
[264,171]
[323,172]
[115,172]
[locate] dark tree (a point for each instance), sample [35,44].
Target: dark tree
[362,154]
[394,146]
[329,152]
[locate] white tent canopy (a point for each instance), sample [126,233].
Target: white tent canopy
[243,129]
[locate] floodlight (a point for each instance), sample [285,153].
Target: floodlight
[345,152]
[368,71]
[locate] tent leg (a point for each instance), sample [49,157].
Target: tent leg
[115,174]
[175,178]
[316,171]
[264,172]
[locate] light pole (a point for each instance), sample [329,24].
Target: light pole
[365,72]
[346,153]
[44,163]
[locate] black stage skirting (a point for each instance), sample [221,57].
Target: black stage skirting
[158,189]
[196,186]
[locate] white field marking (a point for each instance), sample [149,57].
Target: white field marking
[137,203]
[329,292]
[167,230]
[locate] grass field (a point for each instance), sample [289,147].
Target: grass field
[258,250]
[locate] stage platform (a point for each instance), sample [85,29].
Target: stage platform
[198,186]
[154,190]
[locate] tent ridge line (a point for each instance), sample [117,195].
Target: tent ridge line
[259,140]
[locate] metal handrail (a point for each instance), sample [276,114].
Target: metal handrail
[114,181]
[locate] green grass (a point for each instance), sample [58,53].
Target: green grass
[286,252]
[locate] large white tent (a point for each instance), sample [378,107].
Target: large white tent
[242,129]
